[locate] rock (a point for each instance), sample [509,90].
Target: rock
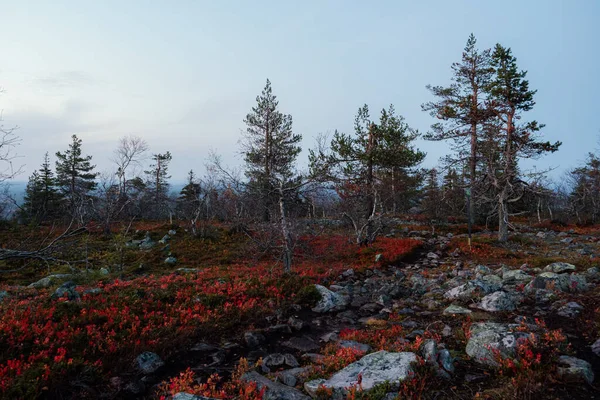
[375,368]
[575,369]
[303,344]
[296,323]
[203,347]
[454,309]
[593,274]
[596,347]
[273,390]
[350,344]
[497,301]
[570,310]
[487,284]
[67,288]
[329,301]
[486,336]
[278,360]
[186,270]
[170,260]
[560,267]
[515,276]
[172,232]
[571,283]
[291,377]
[164,239]
[189,396]
[440,360]
[3,295]
[541,235]
[149,362]
[254,339]
[104,271]
[49,280]
[543,296]
[432,256]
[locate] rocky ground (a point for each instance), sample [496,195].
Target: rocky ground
[461,328]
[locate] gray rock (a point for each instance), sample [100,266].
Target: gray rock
[454,309]
[189,396]
[575,369]
[362,347]
[596,347]
[375,368]
[515,276]
[187,270]
[49,280]
[68,289]
[164,239]
[570,310]
[296,323]
[172,232]
[3,295]
[543,296]
[560,267]
[439,359]
[170,260]
[486,336]
[593,274]
[149,362]
[273,390]
[485,285]
[278,360]
[330,301]
[104,271]
[497,301]
[254,339]
[571,283]
[301,344]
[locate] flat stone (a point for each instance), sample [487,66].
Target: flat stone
[273,390]
[374,369]
[454,309]
[330,301]
[303,344]
[575,369]
[486,336]
[560,267]
[497,301]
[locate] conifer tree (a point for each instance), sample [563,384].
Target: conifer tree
[509,140]
[270,149]
[42,199]
[462,111]
[74,172]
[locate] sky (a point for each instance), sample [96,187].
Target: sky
[184,74]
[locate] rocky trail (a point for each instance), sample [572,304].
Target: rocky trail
[457,311]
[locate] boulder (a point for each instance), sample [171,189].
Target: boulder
[68,289]
[454,309]
[149,362]
[497,301]
[374,369]
[302,344]
[560,267]
[570,310]
[572,368]
[254,339]
[170,260]
[488,336]
[330,301]
[485,285]
[515,276]
[273,390]
[571,283]
[49,280]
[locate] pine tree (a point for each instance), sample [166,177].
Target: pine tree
[42,199]
[508,140]
[361,161]
[158,176]
[585,196]
[270,149]
[189,201]
[74,172]
[462,110]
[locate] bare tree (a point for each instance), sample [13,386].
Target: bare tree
[129,154]
[8,141]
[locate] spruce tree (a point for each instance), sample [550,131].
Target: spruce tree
[42,199]
[74,172]
[158,176]
[270,149]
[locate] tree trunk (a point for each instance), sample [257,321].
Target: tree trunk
[287,237]
[370,183]
[502,218]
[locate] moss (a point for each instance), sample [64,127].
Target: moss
[308,296]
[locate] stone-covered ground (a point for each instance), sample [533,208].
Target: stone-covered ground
[444,321]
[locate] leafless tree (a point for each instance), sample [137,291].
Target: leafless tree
[129,154]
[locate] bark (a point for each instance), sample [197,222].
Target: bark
[287,236]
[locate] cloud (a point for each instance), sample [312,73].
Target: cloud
[64,80]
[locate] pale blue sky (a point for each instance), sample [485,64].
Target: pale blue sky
[183,74]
